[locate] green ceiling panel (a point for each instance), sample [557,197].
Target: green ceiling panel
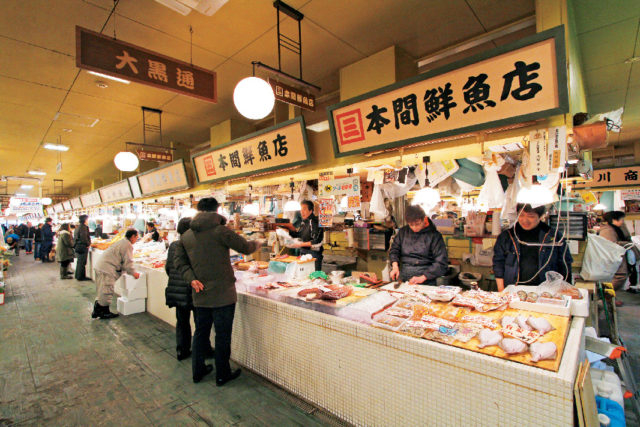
[593,14]
[608,45]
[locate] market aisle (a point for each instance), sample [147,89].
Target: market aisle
[59,367]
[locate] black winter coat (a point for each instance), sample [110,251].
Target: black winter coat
[424,252]
[38,235]
[178,292]
[47,233]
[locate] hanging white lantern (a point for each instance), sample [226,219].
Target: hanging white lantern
[254,98]
[535,195]
[46,201]
[126,161]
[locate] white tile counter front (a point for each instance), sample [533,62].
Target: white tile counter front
[370,376]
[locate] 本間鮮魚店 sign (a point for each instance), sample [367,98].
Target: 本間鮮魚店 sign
[103,54]
[523,81]
[272,149]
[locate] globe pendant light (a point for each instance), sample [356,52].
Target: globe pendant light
[126,161]
[254,98]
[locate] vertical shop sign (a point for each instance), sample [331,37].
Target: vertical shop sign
[103,54]
[557,148]
[538,157]
[276,148]
[325,219]
[522,81]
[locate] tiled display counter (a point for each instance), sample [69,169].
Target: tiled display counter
[369,376]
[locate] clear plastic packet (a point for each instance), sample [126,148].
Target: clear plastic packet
[467,331]
[388,322]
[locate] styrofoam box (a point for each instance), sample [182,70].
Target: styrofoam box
[118,286]
[580,307]
[134,288]
[127,307]
[559,310]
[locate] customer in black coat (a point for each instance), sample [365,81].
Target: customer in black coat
[47,240]
[178,295]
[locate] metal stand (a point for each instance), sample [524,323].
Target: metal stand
[615,351]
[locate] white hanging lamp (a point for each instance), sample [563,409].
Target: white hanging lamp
[126,161]
[254,98]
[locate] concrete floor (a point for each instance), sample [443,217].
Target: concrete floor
[60,367]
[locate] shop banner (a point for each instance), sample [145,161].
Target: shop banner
[630,194]
[76,203]
[91,199]
[276,148]
[155,156]
[615,177]
[172,177]
[66,206]
[325,176]
[135,187]
[116,192]
[25,205]
[521,81]
[58,208]
[103,54]
[325,219]
[340,187]
[291,95]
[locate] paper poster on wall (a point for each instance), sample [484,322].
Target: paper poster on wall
[353,203]
[439,171]
[326,212]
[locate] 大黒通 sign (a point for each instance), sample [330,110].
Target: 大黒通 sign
[104,54]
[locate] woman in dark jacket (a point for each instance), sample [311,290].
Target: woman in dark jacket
[178,295]
[418,253]
[82,245]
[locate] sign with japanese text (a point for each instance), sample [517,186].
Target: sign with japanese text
[103,54]
[91,199]
[538,154]
[116,192]
[615,177]
[276,148]
[630,194]
[171,177]
[57,208]
[340,187]
[293,96]
[135,187]
[76,203]
[557,148]
[522,81]
[325,176]
[155,156]
[66,206]
[25,205]
[325,218]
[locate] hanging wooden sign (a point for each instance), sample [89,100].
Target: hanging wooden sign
[103,54]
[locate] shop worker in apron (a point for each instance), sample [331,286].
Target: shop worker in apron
[525,252]
[310,233]
[113,263]
[418,253]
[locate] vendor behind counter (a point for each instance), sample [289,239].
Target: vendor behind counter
[310,233]
[525,252]
[418,253]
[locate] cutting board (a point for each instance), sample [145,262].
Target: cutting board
[558,336]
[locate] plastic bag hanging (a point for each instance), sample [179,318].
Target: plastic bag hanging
[602,259]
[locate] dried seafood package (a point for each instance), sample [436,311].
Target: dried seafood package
[483,321]
[467,331]
[515,331]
